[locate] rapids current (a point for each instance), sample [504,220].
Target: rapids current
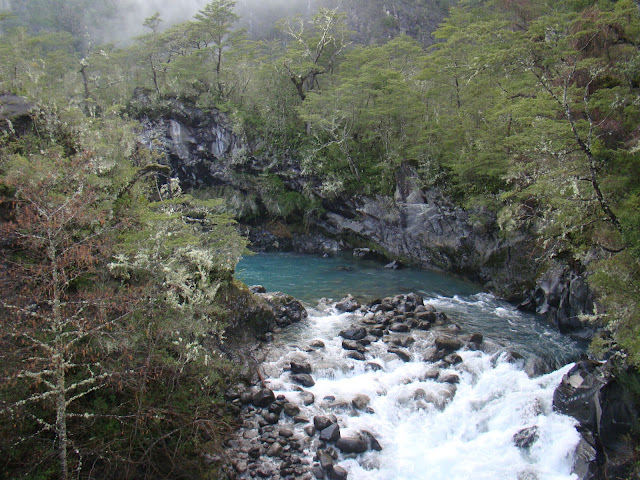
[485,413]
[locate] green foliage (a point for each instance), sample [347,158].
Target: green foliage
[141,318]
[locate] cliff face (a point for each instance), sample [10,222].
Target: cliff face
[415,226]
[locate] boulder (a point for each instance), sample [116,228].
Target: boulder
[360,401]
[526,437]
[374,367]
[263,398]
[356,356]
[257,289]
[372,442]
[348,304]
[326,461]
[353,333]
[606,410]
[447,343]
[399,327]
[303,379]
[331,434]
[321,422]
[402,354]
[286,309]
[352,444]
[275,450]
[353,345]
[300,367]
[338,473]
[307,398]
[291,409]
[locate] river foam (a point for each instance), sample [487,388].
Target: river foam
[431,429]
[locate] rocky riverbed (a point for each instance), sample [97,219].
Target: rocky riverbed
[299,423]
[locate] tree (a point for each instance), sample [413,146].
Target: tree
[58,333]
[314,47]
[214,27]
[369,110]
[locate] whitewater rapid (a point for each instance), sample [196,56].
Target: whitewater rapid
[430,429]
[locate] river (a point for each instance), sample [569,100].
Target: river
[495,421]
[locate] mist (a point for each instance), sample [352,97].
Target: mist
[258,16]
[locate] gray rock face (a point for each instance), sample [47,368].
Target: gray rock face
[562,295]
[591,394]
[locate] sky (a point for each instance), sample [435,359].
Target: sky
[174,11]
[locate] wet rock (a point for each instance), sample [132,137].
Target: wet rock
[352,444]
[285,432]
[271,418]
[395,265]
[402,354]
[536,366]
[399,327]
[264,471]
[240,466]
[430,374]
[310,430]
[372,442]
[317,344]
[353,345]
[275,408]
[307,398]
[246,398]
[303,379]
[447,343]
[331,434]
[291,409]
[255,452]
[476,338]
[526,437]
[275,450]
[326,461]
[360,401]
[451,378]
[338,473]
[377,331]
[453,359]
[415,299]
[372,366]
[263,398]
[423,326]
[353,333]
[513,357]
[322,421]
[286,309]
[300,367]
[585,464]
[234,393]
[257,289]
[300,419]
[355,355]
[384,306]
[348,304]
[318,472]
[425,316]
